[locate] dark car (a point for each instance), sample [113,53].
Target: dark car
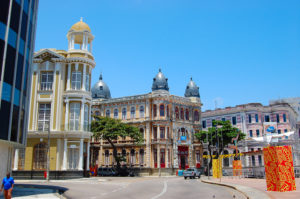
[106,171]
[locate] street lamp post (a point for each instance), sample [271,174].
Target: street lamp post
[48,152]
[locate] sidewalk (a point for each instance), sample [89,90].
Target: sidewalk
[260,185]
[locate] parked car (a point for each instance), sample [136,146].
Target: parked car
[192,173]
[106,171]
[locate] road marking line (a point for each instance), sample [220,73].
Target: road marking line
[163,191]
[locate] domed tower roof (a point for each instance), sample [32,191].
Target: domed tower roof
[192,90]
[160,82]
[100,90]
[81,26]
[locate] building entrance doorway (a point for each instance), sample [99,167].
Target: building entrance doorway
[183,154]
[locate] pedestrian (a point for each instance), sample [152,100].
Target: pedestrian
[7,185]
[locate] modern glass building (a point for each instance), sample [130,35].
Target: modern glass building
[17,35]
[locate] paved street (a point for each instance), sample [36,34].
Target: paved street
[143,187]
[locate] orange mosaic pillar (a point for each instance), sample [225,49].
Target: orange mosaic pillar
[217,168]
[237,167]
[279,168]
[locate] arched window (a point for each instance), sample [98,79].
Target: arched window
[124,153]
[40,156]
[132,157]
[132,113]
[142,111]
[124,113]
[142,132]
[162,110]
[226,160]
[196,115]
[168,111]
[141,156]
[187,114]
[154,110]
[182,114]
[116,113]
[176,113]
[106,157]
[107,114]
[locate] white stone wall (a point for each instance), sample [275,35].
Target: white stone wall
[5,159]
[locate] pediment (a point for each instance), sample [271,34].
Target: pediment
[47,54]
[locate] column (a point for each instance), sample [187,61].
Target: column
[158,132]
[84,78]
[86,42]
[67,114]
[64,167]
[80,165]
[148,149]
[58,154]
[91,47]
[246,157]
[82,115]
[167,156]
[166,133]
[69,76]
[90,117]
[83,41]
[16,161]
[88,156]
[158,156]
[100,153]
[72,41]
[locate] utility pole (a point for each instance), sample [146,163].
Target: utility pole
[48,152]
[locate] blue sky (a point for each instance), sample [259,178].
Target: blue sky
[236,51]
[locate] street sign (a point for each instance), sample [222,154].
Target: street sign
[183,138]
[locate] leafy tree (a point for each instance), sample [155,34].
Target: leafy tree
[219,136]
[110,129]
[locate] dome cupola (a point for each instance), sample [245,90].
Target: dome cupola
[160,82]
[80,37]
[192,90]
[100,90]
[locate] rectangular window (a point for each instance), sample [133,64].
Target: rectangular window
[223,119]
[284,117]
[250,133]
[234,120]
[249,118]
[256,118]
[253,160]
[277,118]
[257,133]
[44,117]
[259,160]
[124,113]
[279,131]
[204,124]
[162,132]
[86,117]
[267,118]
[74,116]
[76,80]
[46,81]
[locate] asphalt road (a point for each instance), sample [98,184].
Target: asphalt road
[144,188]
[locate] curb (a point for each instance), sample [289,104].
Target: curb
[248,192]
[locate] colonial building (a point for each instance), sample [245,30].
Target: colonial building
[167,122]
[61,104]
[253,120]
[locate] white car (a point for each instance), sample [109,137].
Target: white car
[192,173]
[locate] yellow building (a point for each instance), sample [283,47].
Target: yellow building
[61,95]
[167,122]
